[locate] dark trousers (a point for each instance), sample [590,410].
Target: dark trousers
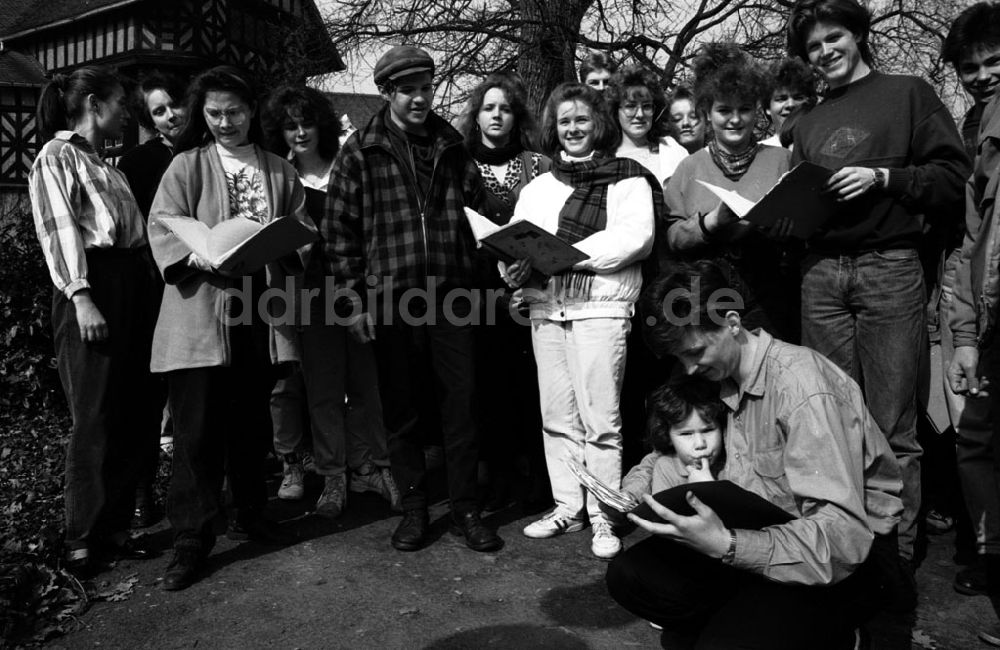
[704,604]
[149,459]
[107,385]
[221,428]
[507,406]
[409,357]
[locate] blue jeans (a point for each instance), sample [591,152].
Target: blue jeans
[866,313]
[344,435]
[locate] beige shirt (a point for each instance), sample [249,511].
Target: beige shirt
[800,436]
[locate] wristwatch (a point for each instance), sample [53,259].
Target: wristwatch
[730,554]
[879,178]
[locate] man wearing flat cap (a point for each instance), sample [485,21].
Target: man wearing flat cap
[397,241]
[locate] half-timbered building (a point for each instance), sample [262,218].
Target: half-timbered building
[278,40]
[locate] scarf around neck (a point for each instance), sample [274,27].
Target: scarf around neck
[496,156]
[733,165]
[586,210]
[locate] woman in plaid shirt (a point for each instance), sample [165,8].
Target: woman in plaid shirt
[94,241]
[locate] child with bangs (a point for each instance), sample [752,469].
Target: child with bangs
[687,420]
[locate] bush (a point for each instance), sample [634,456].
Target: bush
[36,422]
[29,382]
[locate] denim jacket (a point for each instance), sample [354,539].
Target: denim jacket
[977,282]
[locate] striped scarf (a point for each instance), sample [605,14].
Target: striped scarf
[586,210]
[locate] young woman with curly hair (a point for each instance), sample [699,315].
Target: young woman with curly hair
[729,88]
[348,443]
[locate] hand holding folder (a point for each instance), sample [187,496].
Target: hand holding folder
[520,240]
[798,196]
[240,246]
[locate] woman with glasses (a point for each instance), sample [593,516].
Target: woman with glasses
[219,353]
[729,89]
[638,103]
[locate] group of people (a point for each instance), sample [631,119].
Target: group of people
[682,321]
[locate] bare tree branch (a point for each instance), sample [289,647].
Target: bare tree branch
[544,39]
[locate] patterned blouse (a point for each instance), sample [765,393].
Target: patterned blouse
[511,178]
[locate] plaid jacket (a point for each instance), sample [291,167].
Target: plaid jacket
[373,228]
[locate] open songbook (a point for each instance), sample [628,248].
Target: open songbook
[620,501]
[518,240]
[737,507]
[239,245]
[798,195]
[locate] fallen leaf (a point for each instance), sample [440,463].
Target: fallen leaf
[922,640]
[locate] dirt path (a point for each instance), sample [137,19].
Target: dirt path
[343,586]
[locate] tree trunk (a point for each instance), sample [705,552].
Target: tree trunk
[548,45]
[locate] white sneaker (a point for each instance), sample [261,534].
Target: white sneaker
[292,484]
[378,480]
[552,524]
[605,544]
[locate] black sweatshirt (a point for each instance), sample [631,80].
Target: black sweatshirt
[891,121]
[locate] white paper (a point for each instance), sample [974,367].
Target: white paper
[741,206]
[481,226]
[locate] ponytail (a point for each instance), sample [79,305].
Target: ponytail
[63,100]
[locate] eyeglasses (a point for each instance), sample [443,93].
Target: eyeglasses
[631,109]
[236,116]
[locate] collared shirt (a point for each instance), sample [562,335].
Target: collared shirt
[78,202]
[654,473]
[800,436]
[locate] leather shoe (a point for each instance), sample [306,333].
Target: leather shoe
[81,564]
[477,536]
[971,581]
[260,530]
[129,549]
[412,531]
[147,513]
[182,572]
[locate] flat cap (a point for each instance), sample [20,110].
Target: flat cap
[400,61]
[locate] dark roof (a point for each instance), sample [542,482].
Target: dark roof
[18,69]
[21,17]
[359,107]
[18,16]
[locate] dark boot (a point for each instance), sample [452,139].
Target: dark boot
[971,581]
[477,536]
[412,531]
[183,570]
